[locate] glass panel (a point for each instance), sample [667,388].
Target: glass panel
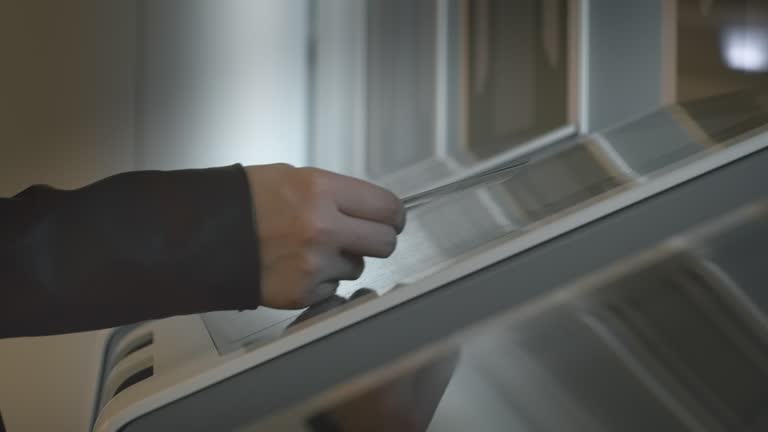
[435,87]
[516,64]
[728,116]
[665,341]
[722,47]
[556,181]
[400,94]
[445,84]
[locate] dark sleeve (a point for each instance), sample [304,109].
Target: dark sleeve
[132,247]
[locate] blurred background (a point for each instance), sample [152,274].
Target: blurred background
[380,89]
[406,93]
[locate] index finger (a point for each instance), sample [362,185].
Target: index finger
[363,200]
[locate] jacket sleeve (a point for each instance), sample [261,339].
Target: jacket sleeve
[132,247]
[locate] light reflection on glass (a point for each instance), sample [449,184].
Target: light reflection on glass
[746,49]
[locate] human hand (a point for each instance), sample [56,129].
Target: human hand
[314,229]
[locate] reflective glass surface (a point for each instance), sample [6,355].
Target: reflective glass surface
[556,181]
[516,63]
[722,47]
[409,92]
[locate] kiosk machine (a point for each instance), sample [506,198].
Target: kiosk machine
[657,226]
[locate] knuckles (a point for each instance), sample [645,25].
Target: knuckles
[306,264]
[312,231]
[313,183]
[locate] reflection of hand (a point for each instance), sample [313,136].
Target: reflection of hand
[314,229]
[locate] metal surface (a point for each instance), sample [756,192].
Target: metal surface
[556,181]
[577,206]
[277,384]
[667,340]
[624,61]
[426,125]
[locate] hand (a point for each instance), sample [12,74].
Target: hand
[314,229]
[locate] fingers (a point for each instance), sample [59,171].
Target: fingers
[320,292]
[320,308]
[343,267]
[335,268]
[330,303]
[314,228]
[339,267]
[365,238]
[363,200]
[362,292]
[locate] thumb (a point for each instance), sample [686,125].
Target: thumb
[332,303]
[319,308]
